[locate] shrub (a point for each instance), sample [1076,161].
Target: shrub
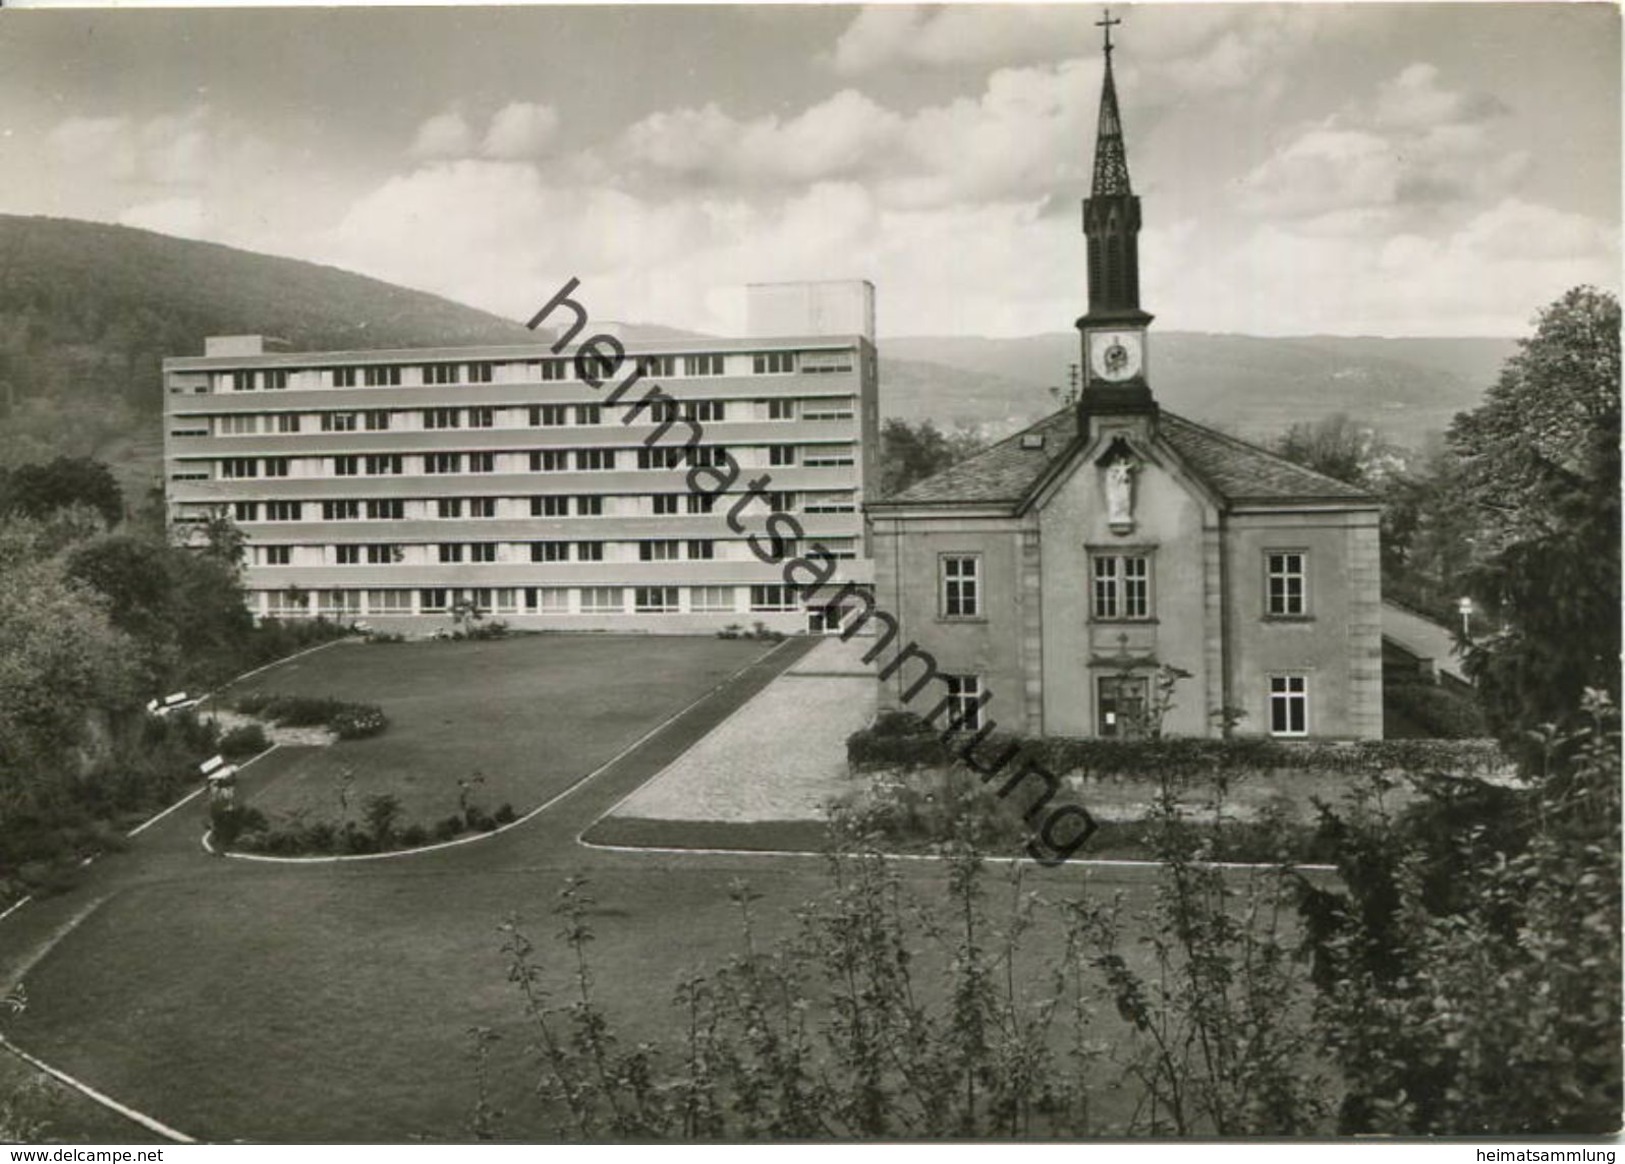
[358,721]
[481,631]
[241,742]
[381,812]
[505,814]
[229,821]
[448,828]
[732,631]
[414,836]
[1440,711]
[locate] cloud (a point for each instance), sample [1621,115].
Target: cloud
[169,150]
[520,130]
[1414,148]
[445,135]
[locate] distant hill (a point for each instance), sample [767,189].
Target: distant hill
[88,311]
[1252,386]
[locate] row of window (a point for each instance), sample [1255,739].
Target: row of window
[558,368]
[1121,704]
[1121,585]
[533,600]
[534,415]
[537,461]
[643,550]
[552,505]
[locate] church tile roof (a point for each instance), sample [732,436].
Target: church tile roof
[1237,471]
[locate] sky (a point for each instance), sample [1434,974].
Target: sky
[1352,169]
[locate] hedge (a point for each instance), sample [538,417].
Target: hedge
[893,741]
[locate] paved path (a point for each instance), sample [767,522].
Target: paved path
[1423,638]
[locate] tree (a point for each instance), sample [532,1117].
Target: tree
[1339,447]
[1540,468]
[39,490]
[910,453]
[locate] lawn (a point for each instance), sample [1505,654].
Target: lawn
[520,719]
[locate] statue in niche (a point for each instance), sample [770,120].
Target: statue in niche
[1120,493]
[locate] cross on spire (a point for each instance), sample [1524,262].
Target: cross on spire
[1108,23]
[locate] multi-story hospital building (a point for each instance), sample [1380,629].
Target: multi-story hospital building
[390,485]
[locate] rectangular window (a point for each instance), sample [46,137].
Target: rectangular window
[440,373]
[482,551]
[964,707]
[657,551]
[660,458]
[284,510]
[547,599]
[482,507]
[706,365]
[236,425]
[664,503]
[277,378]
[595,459]
[589,506]
[389,601]
[589,551]
[781,455]
[481,373]
[552,369]
[448,507]
[338,422]
[482,417]
[655,599]
[825,363]
[442,418]
[234,467]
[347,555]
[245,511]
[704,411]
[549,461]
[823,456]
[378,421]
[773,363]
[549,551]
[780,502]
[391,510]
[773,597]
[1122,586]
[589,414]
[287,422]
[701,502]
[550,507]
[443,463]
[384,555]
[961,586]
[702,550]
[1289,705]
[242,381]
[343,377]
[781,410]
[548,415]
[708,456]
[341,510]
[346,466]
[658,365]
[278,555]
[827,408]
[451,551]
[433,600]
[276,466]
[830,503]
[482,462]
[382,376]
[601,599]
[1287,585]
[711,599]
[385,465]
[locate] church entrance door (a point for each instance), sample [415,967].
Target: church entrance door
[1122,700]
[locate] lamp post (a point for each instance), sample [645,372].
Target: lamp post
[1465,606]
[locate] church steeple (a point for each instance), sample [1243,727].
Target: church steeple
[1114,330]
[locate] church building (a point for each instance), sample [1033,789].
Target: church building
[1053,579]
